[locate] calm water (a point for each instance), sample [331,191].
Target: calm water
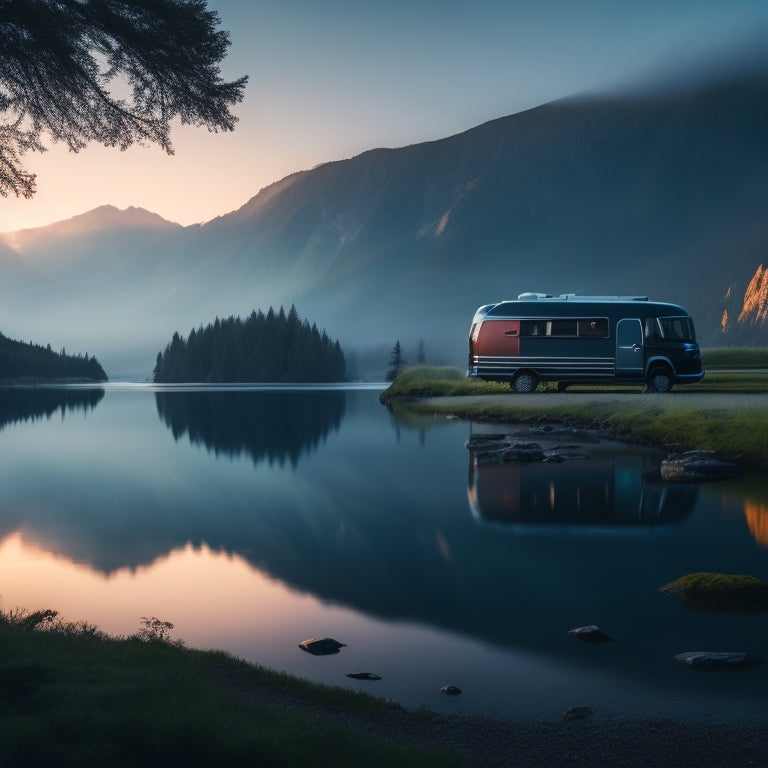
[254,519]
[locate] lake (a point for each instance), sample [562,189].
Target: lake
[255,518]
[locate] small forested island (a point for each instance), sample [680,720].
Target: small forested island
[271,347]
[20,361]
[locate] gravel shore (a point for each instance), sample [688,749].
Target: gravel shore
[620,743]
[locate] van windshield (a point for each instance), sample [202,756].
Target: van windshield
[677,329]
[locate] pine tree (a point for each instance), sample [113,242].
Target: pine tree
[396,362]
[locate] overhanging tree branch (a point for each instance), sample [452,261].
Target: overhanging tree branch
[63,62]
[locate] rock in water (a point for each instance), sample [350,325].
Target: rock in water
[590,634]
[731,593]
[718,659]
[451,690]
[323,647]
[696,467]
[364,676]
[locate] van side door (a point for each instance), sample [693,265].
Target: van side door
[630,358]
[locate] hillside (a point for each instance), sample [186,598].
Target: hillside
[652,193]
[32,361]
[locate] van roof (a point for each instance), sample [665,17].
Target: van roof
[532,296]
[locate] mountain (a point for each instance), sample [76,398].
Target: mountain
[648,192]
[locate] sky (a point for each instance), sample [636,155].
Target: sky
[331,80]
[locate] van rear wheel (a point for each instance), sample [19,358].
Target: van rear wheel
[525,382]
[660,380]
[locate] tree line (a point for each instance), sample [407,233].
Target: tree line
[271,347]
[19,360]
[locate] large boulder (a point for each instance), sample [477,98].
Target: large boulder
[696,467]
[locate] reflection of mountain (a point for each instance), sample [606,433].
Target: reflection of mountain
[31,403]
[607,490]
[275,426]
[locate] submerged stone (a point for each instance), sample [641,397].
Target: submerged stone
[590,634]
[718,659]
[730,593]
[323,647]
[451,690]
[696,467]
[364,676]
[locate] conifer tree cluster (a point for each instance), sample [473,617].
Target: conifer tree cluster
[19,360]
[271,347]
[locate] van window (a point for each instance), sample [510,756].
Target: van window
[533,327]
[597,328]
[569,328]
[677,328]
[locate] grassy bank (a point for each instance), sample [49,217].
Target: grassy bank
[70,695]
[737,430]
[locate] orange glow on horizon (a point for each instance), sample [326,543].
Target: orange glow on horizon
[196,589]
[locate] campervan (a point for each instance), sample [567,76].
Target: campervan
[572,339]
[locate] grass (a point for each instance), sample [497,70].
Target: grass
[71,695]
[738,431]
[733,593]
[735,357]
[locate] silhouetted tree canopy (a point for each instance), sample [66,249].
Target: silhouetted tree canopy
[112,71]
[271,347]
[31,361]
[396,362]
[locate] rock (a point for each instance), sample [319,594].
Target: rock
[718,659]
[696,467]
[577,713]
[451,690]
[364,676]
[590,634]
[524,452]
[323,647]
[730,593]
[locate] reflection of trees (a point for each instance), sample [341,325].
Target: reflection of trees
[264,425]
[757,521]
[31,403]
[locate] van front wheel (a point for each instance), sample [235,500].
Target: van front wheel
[525,382]
[660,380]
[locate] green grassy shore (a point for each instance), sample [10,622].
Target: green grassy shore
[71,695]
[734,424]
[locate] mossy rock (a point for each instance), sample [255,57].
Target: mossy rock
[731,593]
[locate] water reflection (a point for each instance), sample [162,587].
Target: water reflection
[263,425]
[321,494]
[603,488]
[19,404]
[757,521]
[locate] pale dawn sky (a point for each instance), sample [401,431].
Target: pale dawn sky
[330,80]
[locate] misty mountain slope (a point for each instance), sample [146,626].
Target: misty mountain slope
[645,193]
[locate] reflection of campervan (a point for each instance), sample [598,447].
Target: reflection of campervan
[608,491]
[583,339]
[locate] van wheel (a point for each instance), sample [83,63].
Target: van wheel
[660,380]
[525,382]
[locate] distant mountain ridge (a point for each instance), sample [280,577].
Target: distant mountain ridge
[658,194]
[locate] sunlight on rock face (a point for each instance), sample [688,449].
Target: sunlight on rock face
[755,309]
